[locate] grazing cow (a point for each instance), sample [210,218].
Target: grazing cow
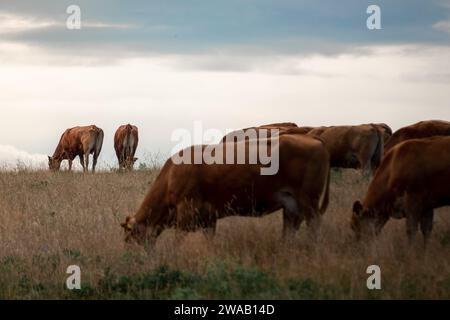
[412,180]
[254,132]
[189,196]
[422,129]
[352,146]
[125,143]
[78,141]
[384,129]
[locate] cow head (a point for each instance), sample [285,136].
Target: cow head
[362,222]
[134,231]
[54,163]
[129,163]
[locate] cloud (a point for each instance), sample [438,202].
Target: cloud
[113,30]
[11,23]
[15,24]
[443,26]
[232,62]
[11,157]
[89,24]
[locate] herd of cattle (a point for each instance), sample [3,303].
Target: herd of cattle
[410,167]
[84,141]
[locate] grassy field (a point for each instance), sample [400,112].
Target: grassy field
[52,220]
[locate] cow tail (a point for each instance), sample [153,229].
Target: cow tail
[326,195]
[128,150]
[99,142]
[379,150]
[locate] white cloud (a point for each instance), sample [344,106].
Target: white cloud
[94,24]
[443,25]
[11,157]
[11,23]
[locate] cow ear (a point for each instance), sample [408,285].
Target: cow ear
[129,223]
[357,208]
[127,226]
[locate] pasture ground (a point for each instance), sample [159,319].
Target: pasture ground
[49,221]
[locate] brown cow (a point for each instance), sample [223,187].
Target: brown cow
[384,129]
[126,140]
[413,179]
[422,129]
[352,146]
[78,141]
[188,196]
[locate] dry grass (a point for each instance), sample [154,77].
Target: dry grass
[50,221]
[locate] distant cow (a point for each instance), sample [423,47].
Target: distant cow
[352,146]
[254,132]
[422,129]
[189,196]
[384,129]
[81,142]
[413,179]
[125,143]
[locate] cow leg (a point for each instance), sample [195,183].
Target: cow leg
[151,239]
[366,168]
[119,158]
[426,225]
[210,229]
[313,220]
[86,161]
[70,164]
[412,224]
[82,161]
[183,221]
[209,217]
[122,159]
[94,162]
[413,215]
[185,216]
[380,223]
[365,156]
[127,158]
[292,218]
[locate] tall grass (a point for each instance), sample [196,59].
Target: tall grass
[49,221]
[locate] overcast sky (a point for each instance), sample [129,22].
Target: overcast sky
[162,65]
